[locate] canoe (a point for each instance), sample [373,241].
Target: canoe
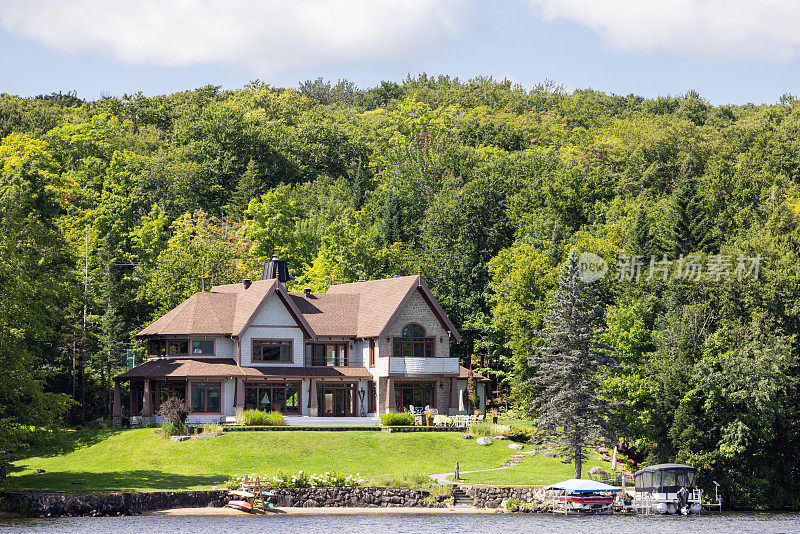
[240,505]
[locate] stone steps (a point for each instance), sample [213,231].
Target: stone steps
[513,461]
[460,497]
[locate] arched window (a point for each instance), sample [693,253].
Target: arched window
[412,343]
[413,330]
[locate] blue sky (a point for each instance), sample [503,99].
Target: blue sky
[730,51]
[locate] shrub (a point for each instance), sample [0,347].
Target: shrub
[302,480]
[486,428]
[398,419]
[174,429]
[212,428]
[260,418]
[175,410]
[521,434]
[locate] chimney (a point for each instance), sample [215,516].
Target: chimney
[307,291]
[276,268]
[247,282]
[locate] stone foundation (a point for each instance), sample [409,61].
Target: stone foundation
[493,496]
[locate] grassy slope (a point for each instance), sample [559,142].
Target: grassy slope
[139,460]
[534,470]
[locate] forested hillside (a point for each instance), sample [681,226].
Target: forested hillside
[116,210]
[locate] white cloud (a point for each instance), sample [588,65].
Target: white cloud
[264,36]
[707,29]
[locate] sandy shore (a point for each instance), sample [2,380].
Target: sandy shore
[323,511]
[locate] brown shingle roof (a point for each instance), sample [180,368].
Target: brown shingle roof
[359,309]
[225,310]
[182,368]
[329,314]
[463,372]
[226,367]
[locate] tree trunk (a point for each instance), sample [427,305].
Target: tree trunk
[578,461]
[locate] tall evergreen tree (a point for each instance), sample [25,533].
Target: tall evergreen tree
[689,226]
[571,413]
[639,240]
[392,220]
[359,187]
[246,190]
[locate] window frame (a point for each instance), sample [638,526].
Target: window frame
[160,347]
[261,386]
[279,342]
[207,384]
[405,346]
[325,344]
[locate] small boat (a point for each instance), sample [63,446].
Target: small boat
[240,505]
[583,496]
[667,489]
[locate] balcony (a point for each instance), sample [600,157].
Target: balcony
[423,366]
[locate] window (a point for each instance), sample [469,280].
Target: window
[326,354]
[206,397]
[280,397]
[177,347]
[413,343]
[272,351]
[173,390]
[157,347]
[417,395]
[202,347]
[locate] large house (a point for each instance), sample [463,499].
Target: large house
[359,349]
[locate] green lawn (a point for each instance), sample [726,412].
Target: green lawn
[534,470]
[107,460]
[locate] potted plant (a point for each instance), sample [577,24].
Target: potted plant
[494,416]
[429,419]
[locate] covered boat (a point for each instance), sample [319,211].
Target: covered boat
[667,489]
[586,496]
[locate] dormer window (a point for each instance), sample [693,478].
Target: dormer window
[413,343]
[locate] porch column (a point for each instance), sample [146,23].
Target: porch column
[390,403]
[313,404]
[147,405]
[116,412]
[238,403]
[453,395]
[132,400]
[156,396]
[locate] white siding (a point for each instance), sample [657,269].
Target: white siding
[273,321]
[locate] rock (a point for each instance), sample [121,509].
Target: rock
[206,435]
[39,471]
[597,470]
[549,454]
[604,458]
[483,441]
[467,436]
[178,439]
[602,450]
[516,446]
[500,437]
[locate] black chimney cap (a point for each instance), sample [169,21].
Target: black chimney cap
[276,268]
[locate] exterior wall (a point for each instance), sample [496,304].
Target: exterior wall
[417,311]
[273,321]
[225,347]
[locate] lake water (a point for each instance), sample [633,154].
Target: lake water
[757,523]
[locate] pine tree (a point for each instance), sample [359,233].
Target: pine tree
[689,225]
[639,241]
[246,190]
[571,414]
[359,187]
[392,226]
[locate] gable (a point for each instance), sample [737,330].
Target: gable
[273,312]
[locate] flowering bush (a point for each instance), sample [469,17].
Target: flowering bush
[302,480]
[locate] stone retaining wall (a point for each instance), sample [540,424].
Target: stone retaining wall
[114,504]
[493,496]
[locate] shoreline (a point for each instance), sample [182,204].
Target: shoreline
[400,510]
